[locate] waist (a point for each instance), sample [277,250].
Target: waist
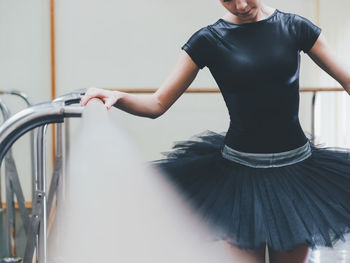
[268,138]
[267,160]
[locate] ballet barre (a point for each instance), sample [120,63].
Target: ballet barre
[37,118]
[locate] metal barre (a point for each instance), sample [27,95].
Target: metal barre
[38,116]
[32,117]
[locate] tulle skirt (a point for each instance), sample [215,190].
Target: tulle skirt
[305,202]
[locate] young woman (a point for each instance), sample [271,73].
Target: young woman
[263,182]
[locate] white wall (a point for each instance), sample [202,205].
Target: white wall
[24,66]
[333,122]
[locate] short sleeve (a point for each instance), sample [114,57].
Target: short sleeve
[306,33]
[199,47]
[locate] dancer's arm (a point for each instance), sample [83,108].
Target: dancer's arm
[326,59]
[150,105]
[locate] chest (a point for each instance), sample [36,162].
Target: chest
[253,57]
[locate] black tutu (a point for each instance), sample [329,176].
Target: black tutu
[302,203]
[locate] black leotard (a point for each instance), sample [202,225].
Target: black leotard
[256,66]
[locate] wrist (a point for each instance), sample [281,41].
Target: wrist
[119,96]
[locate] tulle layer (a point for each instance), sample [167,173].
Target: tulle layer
[302,203]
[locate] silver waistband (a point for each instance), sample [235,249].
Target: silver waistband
[266,160]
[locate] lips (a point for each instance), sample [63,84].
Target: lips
[245,13]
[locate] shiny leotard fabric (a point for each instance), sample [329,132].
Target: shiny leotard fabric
[256,67]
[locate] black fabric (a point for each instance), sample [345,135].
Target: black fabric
[256,67]
[303,203]
[306,33]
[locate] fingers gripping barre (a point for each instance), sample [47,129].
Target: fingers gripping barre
[108,97]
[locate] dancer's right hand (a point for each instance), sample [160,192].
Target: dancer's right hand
[109,97]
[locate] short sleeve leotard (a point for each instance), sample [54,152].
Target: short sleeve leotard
[256,67]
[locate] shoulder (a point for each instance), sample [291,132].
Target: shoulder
[201,47]
[299,18]
[292,18]
[303,30]
[295,19]
[203,36]
[288,17]
[304,26]
[298,24]
[203,33]
[301,21]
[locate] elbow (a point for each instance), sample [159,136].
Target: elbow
[157,114]
[154,117]
[159,109]
[346,82]
[347,87]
